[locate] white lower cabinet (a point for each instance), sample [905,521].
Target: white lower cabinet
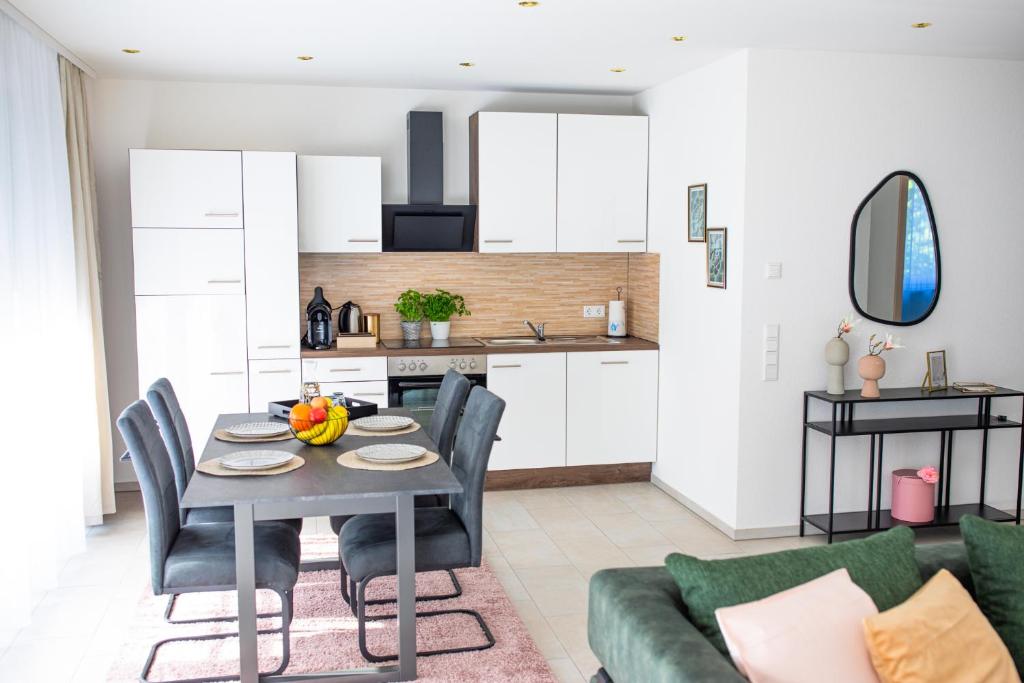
[374,392]
[273,380]
[532,428]
[612,407]
[198,343]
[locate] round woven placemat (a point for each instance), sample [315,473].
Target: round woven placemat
[215,468]
[350,459]
[356,431]
[224,435]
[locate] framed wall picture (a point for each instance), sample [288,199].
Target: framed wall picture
[717,249]
[697,212]
[936,377]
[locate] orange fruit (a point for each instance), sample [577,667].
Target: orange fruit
[299,417]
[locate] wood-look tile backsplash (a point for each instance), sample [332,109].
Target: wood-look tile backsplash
[501,290]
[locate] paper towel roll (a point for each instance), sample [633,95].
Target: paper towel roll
[616,318]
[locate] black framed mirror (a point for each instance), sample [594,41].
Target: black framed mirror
[895,270]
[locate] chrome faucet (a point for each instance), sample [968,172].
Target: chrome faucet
[538,330]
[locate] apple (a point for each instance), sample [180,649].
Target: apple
[318,415]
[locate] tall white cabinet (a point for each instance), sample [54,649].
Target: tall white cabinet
[216,278]
[514,180]
[602,183]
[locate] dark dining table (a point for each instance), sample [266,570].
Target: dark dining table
[321,487]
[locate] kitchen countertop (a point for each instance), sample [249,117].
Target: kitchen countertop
[628,344]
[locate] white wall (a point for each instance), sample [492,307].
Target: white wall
[697,135]
[305,119]
[823,129]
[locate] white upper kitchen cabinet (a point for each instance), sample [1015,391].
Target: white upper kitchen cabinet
[513,180]
[178,188]
[339,204]
[612,407]
[198,343]
[271,255]
[602,183]
[169,261]
[532,428]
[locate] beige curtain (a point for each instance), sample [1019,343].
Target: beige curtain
[98,466]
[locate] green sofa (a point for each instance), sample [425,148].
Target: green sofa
[638,629]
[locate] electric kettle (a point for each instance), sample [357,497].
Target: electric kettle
[319,331]
[350,318]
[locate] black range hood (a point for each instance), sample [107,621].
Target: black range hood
[426,223]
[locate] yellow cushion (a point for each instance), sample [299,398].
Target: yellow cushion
[938,634]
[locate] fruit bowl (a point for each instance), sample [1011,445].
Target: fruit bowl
[319,422]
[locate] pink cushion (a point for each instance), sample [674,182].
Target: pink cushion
[811,633]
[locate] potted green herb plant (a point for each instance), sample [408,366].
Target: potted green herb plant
[439,307]
[410,307]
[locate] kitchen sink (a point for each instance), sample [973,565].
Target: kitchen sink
[533,341]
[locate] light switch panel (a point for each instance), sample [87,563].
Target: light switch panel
[771,353]
[773,271]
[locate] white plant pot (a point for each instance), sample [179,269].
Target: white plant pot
[440,331]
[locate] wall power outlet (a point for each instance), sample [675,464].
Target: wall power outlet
[593,311]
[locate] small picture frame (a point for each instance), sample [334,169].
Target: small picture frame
[696,212]
[716,257]
[936,377]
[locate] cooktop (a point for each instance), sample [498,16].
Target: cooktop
[452,343]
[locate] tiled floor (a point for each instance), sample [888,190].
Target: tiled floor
[543,544]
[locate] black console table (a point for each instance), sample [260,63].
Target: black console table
[843,424]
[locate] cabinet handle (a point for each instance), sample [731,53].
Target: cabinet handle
[223,282]
[239,372]
[498,241]
[221,214]
[631,241]
[615,362]
[367,240]
[274,372]
[370,393]
[274,346]
[510,365]
[346,369]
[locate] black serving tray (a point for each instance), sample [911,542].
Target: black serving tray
[356,408]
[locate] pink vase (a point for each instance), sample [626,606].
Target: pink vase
[871,369]
[913,499]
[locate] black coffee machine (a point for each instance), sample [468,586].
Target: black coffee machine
[319,330]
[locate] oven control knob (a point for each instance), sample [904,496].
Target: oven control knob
[462,365]
[423,366]
[472,365]
[412,366]
[401,366]
[451,363]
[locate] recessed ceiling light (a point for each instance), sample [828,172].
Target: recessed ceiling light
[467,64]
[617,69]
[678,39]
[528,3]
[305,58]
[921,24]
[130,50]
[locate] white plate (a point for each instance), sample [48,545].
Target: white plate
[258,429]
[391,452]
[256,460]
[382,423]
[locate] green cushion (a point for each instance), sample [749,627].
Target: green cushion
[995,553]
[883,565]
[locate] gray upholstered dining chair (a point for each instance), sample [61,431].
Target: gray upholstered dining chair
[446,537]
[178,440]
[197,558]
[451,398]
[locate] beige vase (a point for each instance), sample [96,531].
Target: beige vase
[871,369]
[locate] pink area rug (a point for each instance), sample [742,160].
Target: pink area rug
[323,632]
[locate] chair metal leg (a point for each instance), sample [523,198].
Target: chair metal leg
[346,593]
[285,631]
[361,619]
[205,620]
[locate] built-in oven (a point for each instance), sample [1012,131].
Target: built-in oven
[413,382]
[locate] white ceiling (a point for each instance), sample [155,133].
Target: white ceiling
[562,45]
